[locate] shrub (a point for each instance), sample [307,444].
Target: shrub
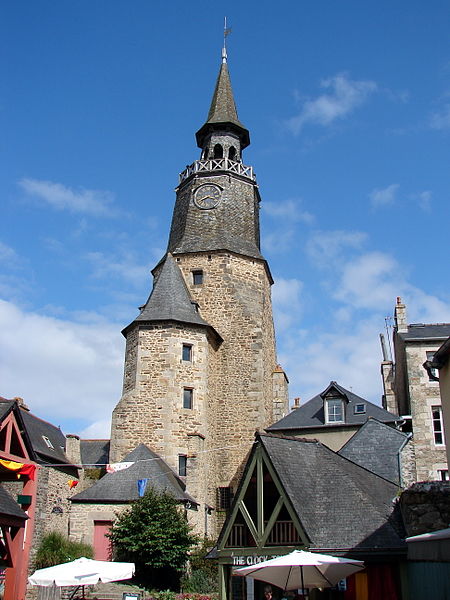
[55,549]
[155,535]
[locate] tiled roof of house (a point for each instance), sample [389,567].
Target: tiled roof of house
[121,486]
[45,441]
[420,331]
[94,452]
[312,415]
[48,441]
[340,504]
[376,446]
[170,299]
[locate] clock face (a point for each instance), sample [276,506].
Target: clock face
[207,196]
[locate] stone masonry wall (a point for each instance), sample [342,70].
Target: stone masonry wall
[424,394]
[425,507]
[82,517]
[235,299]
[152,411]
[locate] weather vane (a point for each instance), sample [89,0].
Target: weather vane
[226,33]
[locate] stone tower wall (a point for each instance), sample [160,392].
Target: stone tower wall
[235,299]
[151,408]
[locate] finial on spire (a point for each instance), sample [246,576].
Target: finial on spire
[226,32]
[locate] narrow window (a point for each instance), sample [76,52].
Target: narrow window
[334,411]
[188,394]
[197,277]
[218,151]
[443,474]
[438,429]
[232,153]
[224,497]
[182,465]
[47,442]
[187,352]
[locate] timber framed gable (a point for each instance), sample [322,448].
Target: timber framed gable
[262,520]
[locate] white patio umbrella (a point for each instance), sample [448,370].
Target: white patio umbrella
[301,569]
[82,571]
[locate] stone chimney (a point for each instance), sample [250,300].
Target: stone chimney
[21,403]
[400,316]
[73,451]
[280,384]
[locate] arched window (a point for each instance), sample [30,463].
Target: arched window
[232,153]
[218,151]
[205,154]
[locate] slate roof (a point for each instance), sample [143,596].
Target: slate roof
[340,505]
[35,429]
[223,111]
[94,452]
[121,487]
[311,415]
[9,507]
[170,299]
[5,407]
[376,446]
[422,332]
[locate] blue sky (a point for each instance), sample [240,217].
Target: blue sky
[348,107]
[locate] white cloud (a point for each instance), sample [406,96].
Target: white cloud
[326,248]
[125,268]
[287,306]
[384,196]
[441,119]
[369,281]
[91,202]
[279,240]
[8,256]
[63,369]
[344,96]
[424,199]
[97,431]
[347,354]
[343,344]
[289,211]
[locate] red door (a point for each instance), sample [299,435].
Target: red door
[102,544]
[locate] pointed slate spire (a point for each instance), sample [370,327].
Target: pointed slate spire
[170,299]
[222,114]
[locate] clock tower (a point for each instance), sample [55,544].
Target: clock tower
[201,373]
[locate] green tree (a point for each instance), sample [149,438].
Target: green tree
[55,548]
[203,577]
[155,535]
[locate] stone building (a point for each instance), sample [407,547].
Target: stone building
[413,393]
[201,373]
[439,369]
[333,417]
[39,496]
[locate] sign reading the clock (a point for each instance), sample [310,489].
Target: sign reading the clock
[207,196]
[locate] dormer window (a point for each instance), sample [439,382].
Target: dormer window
[334,410]
[360,409]
[48,442]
